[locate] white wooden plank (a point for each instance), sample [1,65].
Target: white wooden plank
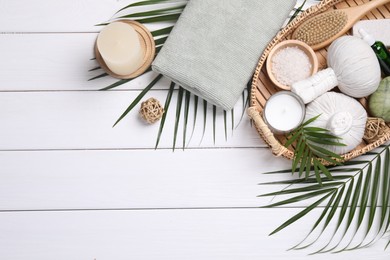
[54,62]
[161,234]
[56,15]
[57,62]
[84,120]
[64,16]
[137,179]
[127,179]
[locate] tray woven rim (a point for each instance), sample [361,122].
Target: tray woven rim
[254,110]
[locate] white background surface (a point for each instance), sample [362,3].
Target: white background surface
[74,188]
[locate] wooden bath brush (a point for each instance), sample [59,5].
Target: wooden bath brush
[322,29]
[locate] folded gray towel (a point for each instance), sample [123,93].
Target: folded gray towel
[215,46]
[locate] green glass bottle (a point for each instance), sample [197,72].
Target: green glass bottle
[380,50]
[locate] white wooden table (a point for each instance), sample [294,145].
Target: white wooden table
[73,187]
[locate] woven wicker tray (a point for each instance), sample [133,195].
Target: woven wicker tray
[262,88]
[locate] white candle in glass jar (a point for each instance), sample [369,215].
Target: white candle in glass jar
[120,47]
[284,112]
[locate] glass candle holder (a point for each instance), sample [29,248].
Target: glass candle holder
[284,112]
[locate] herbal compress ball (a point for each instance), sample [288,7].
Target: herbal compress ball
[343,116]
[352,66]
[355,65]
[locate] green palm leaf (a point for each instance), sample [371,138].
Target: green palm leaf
[161,12]
[302,213]
[186,110]
[154,13]
[308,150]
[163,31]
[196,100]
[178,113]
[297,11]
[214,122]
[98,76]
[349,195]
[204,119]
[324,212]
[149,2]
[160,18]
[232,116]
[225,123]
[161,40]
[138,98]
[166,107]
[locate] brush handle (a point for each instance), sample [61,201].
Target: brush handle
[354,14]
[357,12]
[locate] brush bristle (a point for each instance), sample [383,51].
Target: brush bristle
[321,27]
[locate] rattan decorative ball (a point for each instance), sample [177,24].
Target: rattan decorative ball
[375,128]
[151,110]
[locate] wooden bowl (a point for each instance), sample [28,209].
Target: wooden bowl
[290,43]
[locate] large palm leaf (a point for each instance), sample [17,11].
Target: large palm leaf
[169,11]
[162,13]
[356,200]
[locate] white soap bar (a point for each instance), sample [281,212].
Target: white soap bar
[119,45]
[379,29]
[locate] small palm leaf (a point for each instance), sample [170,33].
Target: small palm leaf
[149,2]
[308,150]
[163,31]
[178,113]
[166,107]
[98,76]
[225,123]
[214,121]
[196,100]
[204,119]
[154,13]
[297,11]
[186,112]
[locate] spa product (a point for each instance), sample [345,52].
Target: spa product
[343,116]
[379,103]
[290,61]
[119,45]
[378,28]
[290,65]
[380,50]
[284,112]
[352,66]
[324,28]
